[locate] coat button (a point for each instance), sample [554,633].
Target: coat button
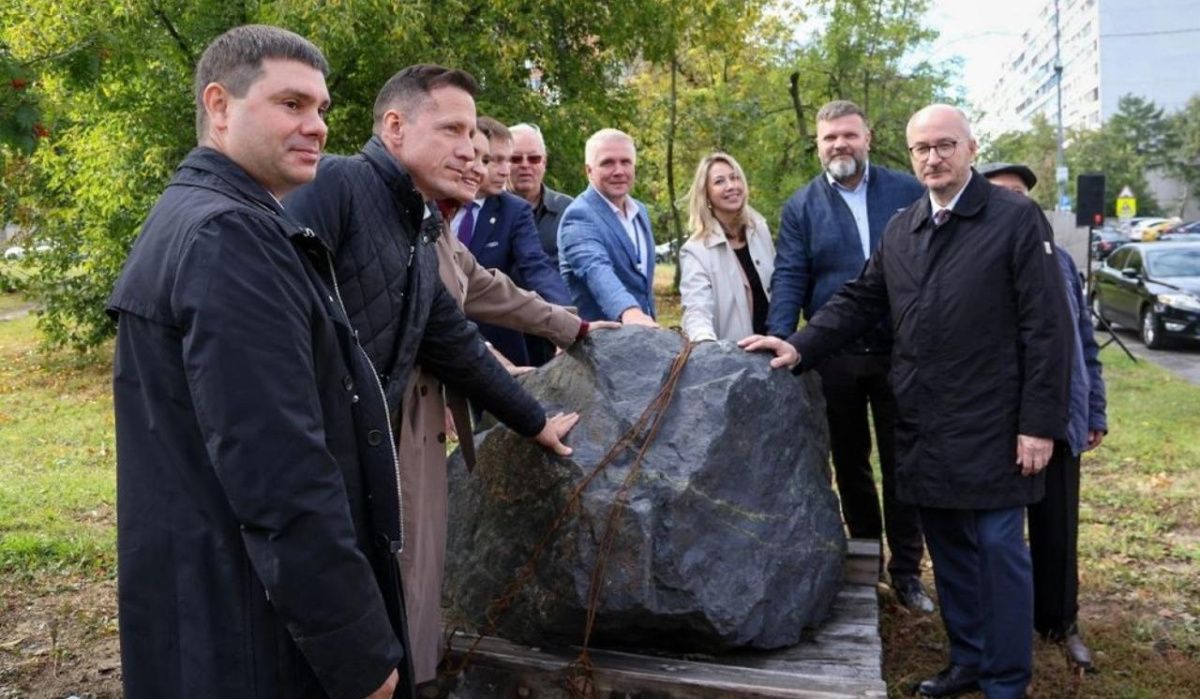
[354,398]
[374,437]
[348,383]
[424,390]
[441,437]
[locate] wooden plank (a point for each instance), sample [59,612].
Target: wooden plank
[842,658]
[617,672]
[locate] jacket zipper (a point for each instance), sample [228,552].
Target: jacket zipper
[398,546]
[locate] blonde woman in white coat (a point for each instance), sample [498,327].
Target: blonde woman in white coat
[727,262]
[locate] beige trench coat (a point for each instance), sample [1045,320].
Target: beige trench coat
[713,289]
[491,297]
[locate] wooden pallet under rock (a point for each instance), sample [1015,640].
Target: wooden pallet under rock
[842,658]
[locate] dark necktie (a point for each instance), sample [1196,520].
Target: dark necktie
[941,217]
[466,227]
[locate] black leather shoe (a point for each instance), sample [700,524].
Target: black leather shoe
[954,681]
[911,594]
[1077,651]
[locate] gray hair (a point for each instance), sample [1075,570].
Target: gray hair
[593,143]
[531,129]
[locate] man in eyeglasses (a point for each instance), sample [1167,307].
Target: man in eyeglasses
[499,230]
[828,230]
[980,367]
[526,179]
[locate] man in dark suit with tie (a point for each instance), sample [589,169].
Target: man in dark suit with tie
[605,245]
[503,236]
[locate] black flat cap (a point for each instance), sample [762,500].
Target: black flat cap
[1026,175]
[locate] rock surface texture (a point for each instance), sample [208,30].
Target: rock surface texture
[731,535]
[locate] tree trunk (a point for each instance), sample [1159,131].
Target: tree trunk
[677,232]
[794,91]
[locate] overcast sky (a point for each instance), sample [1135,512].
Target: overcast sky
[983,34]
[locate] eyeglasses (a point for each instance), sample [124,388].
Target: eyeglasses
[531,159]
[944,149]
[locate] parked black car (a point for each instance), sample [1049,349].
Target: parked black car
[1107,239]
[1154,287]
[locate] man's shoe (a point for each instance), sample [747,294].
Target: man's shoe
[954,681]
[1077,651]
[911,594]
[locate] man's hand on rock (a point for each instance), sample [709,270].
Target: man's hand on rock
[1033,453]
[604,324]
[555,429]
[786,355]
[635,316]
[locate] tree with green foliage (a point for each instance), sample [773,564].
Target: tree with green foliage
[1183,162]
[116,78]
[1035,147]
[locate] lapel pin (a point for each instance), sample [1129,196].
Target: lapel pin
[492,220]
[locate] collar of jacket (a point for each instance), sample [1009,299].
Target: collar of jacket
[969,205]
[208,168]
[398,182]
[718,237]
[211,169]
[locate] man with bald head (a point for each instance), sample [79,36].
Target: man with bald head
[980,365]
[605,244]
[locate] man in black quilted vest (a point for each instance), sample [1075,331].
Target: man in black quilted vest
[371,208]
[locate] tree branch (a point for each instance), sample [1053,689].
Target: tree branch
[179,40]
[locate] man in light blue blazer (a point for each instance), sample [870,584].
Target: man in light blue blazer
[605,245]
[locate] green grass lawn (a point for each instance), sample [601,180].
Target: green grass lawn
[56,459]
[1139,538]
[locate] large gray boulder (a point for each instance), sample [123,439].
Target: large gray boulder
[731,536]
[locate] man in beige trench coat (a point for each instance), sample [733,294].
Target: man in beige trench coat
[489,296]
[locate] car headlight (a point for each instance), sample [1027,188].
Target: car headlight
[1185,302]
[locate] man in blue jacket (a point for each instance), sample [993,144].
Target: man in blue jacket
[503,236]
[605,246]
[829,229]
[1054,522]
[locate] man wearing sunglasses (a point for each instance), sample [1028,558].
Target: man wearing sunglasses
[526,179]
[502,236]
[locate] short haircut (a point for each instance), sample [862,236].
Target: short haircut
[593,143]
[407,89]
[234,60]
[529,129]
[840,108]
[494,130]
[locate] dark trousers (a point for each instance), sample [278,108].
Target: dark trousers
[851,382]
[1053,544]
[985,591]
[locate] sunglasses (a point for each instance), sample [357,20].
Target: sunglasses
[531,159]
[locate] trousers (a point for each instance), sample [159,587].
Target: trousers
[984,581]
[852,383]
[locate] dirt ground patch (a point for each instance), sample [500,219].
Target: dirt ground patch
[60,641]
[1132,659]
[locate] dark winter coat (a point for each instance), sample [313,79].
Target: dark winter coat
[982,347]
[257,504]
[366,209]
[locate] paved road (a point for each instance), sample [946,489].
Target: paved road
[1183,359]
